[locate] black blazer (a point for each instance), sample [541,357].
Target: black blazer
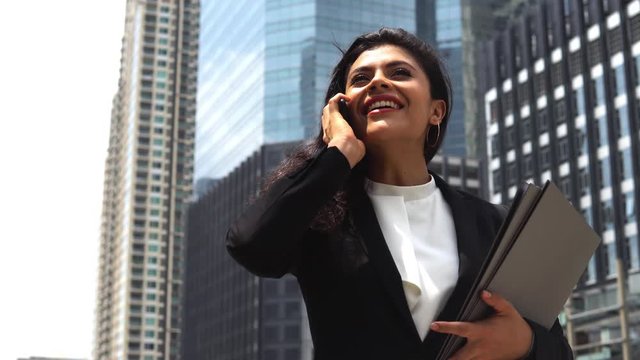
[351,286]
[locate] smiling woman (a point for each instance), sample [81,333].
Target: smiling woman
[384,250]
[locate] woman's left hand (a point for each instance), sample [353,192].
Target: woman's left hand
[504,335]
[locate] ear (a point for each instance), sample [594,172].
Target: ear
[438,109]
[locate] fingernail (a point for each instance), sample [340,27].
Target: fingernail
[486,293]
[435,326]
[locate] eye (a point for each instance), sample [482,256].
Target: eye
[359,78]
[402,72]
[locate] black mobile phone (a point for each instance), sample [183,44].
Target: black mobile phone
[344,110]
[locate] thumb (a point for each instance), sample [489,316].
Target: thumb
[497,302]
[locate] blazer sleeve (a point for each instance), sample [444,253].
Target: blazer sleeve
[266,238]
[549,344]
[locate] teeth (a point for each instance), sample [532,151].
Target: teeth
[380,104]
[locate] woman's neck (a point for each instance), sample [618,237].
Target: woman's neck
[397,167]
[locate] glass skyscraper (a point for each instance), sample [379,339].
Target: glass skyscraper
[264,68]
[230,114]
[448,22]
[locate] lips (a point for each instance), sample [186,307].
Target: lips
[381,103]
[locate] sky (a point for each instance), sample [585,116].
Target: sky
[58,74]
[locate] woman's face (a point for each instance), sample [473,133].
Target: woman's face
[390,98]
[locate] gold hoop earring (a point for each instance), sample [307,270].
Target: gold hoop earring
[437,137]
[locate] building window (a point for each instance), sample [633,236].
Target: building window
[622,121]
[604,173]
[565,186]
[271,334]
[510,138]
[292,333]
[578,101]
[528,166]
[606,210]
[545,157]
[636,61]
[582,145]
[543,121]
[495,147]
[602,133]
[633,261]
[561,113]
[590,274]
[292,354]
[598,91]
[618,78]
[534,41]
[271,311]
[511,174]
[629,207]
[493,108]
[526,129]
[584,183]
[497,181]
[626,166]
[609,258]
[563,149]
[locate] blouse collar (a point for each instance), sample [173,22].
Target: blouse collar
[413,192]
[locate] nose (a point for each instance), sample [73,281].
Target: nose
[379,81]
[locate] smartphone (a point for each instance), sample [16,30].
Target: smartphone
[344,110]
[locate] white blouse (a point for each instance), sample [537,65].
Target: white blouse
[418,228]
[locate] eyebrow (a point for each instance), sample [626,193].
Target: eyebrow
[365,68]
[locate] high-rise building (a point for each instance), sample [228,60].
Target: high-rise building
[231,314]
[481,21]
[148,179]
[265,66]
[442,28]
[562,103]
[455,28]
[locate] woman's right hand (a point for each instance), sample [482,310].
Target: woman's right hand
[337,132]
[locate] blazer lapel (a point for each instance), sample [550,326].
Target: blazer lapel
[367,223]
[470,260]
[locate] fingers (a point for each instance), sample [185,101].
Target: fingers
[330,114]
[459,328]
[497,302]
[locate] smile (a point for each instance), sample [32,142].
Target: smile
[380,104]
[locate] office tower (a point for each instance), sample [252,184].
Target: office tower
[562,103]
[231,314]
[148,179]
[455,27]
[264,69]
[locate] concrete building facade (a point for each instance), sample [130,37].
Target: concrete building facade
[562,103]
[148,178]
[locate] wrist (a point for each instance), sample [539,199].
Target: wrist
[531,343]
[351,147]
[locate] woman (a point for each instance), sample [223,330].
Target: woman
[383,250]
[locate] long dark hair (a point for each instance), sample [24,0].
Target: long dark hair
[335,210]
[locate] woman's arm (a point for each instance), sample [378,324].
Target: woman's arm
[265,239]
